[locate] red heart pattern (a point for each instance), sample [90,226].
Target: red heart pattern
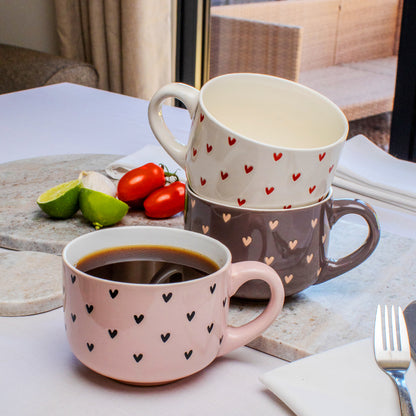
[277,156]
[248,169]
[251,168]
[224,175]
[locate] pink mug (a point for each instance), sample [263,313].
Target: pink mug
[148,334]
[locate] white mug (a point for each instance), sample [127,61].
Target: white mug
[256,141]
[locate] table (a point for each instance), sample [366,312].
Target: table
[38,373]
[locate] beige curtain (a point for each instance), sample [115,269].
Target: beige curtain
[128,41]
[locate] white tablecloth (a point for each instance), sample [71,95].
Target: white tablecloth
[38,373]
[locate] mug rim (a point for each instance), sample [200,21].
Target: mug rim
[327,197]
[306,89]
[76,240]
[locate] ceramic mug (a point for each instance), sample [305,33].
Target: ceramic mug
[294,242]
[156,333]
[256,141]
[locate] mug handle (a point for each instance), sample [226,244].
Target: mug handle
[241,273]
[189,97]
[341,207]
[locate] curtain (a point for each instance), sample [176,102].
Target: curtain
[128,41]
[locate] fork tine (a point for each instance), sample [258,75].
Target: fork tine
[378,330]
[404,337]
[394,330]
[387,328]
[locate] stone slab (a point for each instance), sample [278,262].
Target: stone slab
[30,282]
[23,226]
[341,310]
[320,318]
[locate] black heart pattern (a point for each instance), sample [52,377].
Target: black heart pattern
[89,308]
[188,354]
[137,357]
[167,297]
[190,316]
[212,288]
[165,337]
[139,318]
[222,337]
[113,293]
[224,302]
[73,278]
[90,346]
[112,333]
[209,327]
[73,316]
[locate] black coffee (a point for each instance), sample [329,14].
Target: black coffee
[147,264]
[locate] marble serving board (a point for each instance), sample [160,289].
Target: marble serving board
[23,226]
[318,319]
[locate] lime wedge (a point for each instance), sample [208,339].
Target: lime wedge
[61,201]
[101,209]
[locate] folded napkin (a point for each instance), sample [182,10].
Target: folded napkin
[368,170]
[149,153]
[344,381]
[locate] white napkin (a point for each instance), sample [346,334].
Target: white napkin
[366,169]
[344,381]
[149,153]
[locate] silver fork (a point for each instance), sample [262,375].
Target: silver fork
[392,352]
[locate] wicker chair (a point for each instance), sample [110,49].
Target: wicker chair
[251,46]
[348,48]
[22,68]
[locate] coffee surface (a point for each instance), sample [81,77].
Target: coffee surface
[147,264]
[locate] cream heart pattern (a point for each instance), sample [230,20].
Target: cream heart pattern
[205,229]
[289,278]
[273,224]
[309,258]
[226,217]
[247,240]
[293,244]
[318,272]
[314,222]
[323,238]
[269,260]
[193,203]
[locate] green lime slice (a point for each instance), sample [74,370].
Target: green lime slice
[101,209]
[61,201]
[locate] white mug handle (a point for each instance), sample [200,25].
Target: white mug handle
[189,97]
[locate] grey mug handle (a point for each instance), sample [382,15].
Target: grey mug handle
[339,208]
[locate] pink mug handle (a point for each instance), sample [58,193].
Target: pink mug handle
[241,273]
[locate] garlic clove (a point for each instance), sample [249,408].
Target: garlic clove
[97,182]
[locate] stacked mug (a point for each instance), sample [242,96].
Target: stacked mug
[259,162]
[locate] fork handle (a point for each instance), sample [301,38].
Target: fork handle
[406,407]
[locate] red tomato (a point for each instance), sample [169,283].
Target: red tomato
[165,202]
[137,184]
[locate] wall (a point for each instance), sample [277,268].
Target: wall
[29,23]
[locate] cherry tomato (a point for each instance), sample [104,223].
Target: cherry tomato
[135,185]
[165,202]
